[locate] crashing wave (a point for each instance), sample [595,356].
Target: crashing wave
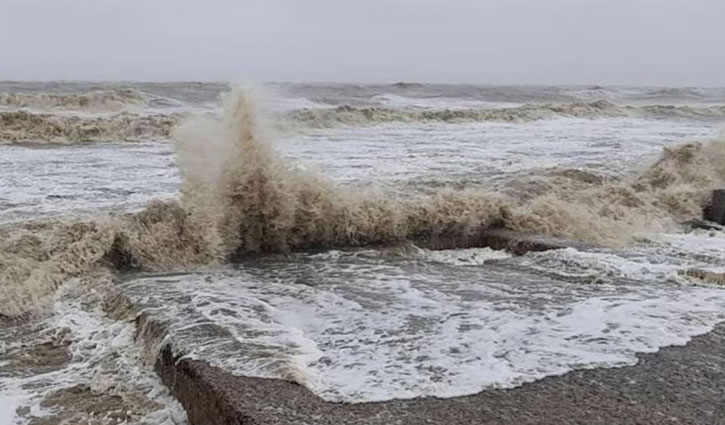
[98,100]
[239,198]
[37,257]
[23,126]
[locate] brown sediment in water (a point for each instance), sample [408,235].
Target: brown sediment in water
[35,258]
[81,404]
[45,128]
[717,278]
[355,116]
[240,198]
[97,100]
[49,363]
[350,115]
[257,202]
[31,354]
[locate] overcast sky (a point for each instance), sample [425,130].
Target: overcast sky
[657,42]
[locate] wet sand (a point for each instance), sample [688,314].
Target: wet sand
[677,385]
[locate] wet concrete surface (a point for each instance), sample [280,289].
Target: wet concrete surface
[679,385]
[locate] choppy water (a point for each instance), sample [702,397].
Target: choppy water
[355,324]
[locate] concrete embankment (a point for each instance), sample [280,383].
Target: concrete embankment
[684,385]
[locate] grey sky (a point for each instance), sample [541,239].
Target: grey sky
[658,42]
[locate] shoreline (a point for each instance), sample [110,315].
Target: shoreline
[677,384]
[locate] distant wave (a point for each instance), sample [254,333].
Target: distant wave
[684,111]
[98,100]
[407,85]
[675,93]
[22,126]
[351,115]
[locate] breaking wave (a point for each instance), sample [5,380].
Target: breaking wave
[682,111]
[239,198]
[98,100]
[37,257]
[351,115]
[23,126]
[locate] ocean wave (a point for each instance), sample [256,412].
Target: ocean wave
[22,126]
[681,111]
[407,85]
[240,198]
[351,115]
[98,100]
[675,93]
[27,127]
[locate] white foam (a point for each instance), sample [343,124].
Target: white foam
[104,356]
[84,179]
[361,328]
[466,154]
[366,325]
[463,257]
[40,182]
[697,243]
[9,402]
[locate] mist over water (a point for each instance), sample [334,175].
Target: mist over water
[321,174]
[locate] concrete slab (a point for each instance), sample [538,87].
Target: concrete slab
[676,385]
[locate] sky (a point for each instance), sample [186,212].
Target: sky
[645,42]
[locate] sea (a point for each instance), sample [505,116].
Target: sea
[326,234]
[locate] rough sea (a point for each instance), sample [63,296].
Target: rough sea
[283,231]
